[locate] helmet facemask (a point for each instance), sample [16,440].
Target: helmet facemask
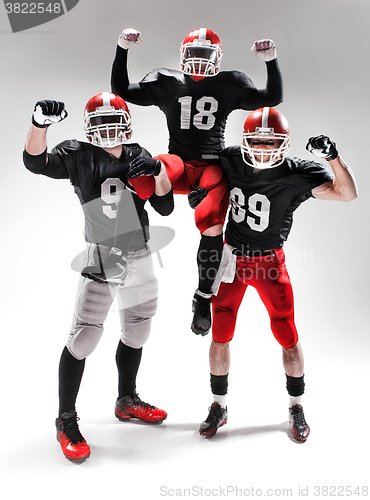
[200,58]
[267,158]
[107,127]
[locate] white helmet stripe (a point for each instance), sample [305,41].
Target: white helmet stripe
[265,117]
[106,99]
[202,33]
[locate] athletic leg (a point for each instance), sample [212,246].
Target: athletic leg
[92,305]
[137,301]
[225,309]
[273,284]
[209,218]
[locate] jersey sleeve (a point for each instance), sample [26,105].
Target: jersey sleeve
[252,98]
[49,164]
[120,83]
[311,174]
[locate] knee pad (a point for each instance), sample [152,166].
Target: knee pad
[136,320]
[148,299]
[83,340]
[285,331]
[137,326]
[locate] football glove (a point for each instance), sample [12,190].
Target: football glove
[196,196]
[144,165]
[322,146]
[265,49]
[128,38]
[47,112]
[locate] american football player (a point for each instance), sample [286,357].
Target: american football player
[265,188]
[196,102]
[99,171]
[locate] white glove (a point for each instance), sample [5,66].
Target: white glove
[48,112]
[128,38]
[265,49]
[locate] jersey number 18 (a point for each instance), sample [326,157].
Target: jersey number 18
[204,119]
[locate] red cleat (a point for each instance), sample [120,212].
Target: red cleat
[133,407]
[70,438]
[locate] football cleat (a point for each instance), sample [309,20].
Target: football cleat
[201,323]
[70,438]
[112,270]
[298,424]
[217,417]
[133,407]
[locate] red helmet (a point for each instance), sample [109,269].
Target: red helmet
[263,126]
[107,120]
[201,53]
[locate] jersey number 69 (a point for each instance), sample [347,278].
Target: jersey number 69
[258,206]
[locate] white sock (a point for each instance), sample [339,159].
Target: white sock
[294,400]
[221,400]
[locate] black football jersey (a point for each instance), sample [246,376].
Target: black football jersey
[100,182]
[196,111]
[263,201]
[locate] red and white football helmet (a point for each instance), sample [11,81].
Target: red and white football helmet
[201,53]
[261,126]
[107,120]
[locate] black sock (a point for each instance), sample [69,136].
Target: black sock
[208,260]
[70,375]
[219,384]
[128,362]
[295,385]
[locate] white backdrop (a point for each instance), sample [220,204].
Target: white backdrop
[323,50]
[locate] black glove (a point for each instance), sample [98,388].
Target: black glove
[322,146]
[196,196]
[47,112]
[144,165]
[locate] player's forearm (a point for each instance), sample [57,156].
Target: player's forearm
[274,85]
[344,183]
[36,140]
[119,74]
[162,182]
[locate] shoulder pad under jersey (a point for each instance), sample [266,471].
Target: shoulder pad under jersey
[159,73]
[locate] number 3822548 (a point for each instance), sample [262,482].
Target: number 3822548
[33,8]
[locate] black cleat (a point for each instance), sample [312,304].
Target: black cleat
[201,323]
[217,417]
[112,270]
[298,424]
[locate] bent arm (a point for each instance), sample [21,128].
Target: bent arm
[120,83]
[36,158]
[342,187]
[272,94]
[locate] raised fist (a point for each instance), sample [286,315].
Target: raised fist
[322,146]
[128,38]
[265,49]
[47,112]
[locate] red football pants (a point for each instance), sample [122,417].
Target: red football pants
[269,276]
[185,176]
